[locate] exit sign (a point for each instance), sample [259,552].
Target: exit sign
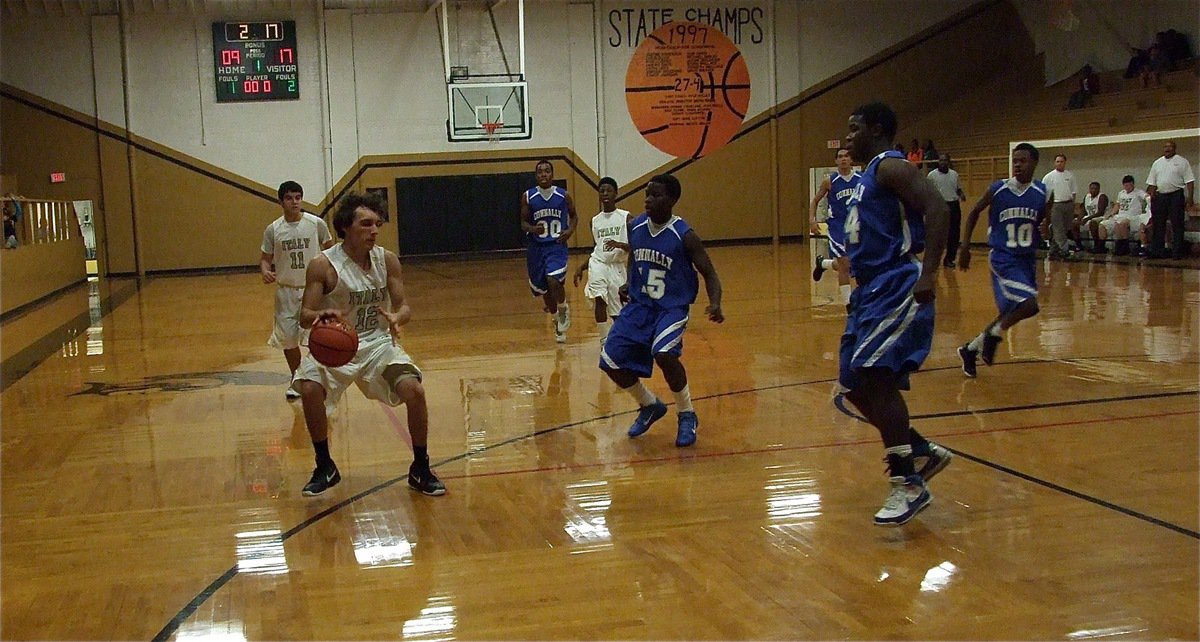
[58,177]
[833,143]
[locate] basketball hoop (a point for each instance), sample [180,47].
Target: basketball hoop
[489,129]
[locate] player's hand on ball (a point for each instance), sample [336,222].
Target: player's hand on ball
[964,259]
[714,313]
[332,316]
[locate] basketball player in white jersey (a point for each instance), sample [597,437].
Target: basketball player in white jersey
[360,284]
[607,266]
[288,244]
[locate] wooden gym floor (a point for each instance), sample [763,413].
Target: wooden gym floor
[151,471]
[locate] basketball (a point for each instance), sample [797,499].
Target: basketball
[332,343]
[687,88]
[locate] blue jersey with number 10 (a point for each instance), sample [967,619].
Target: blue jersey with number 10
[662,274]
[880,235]
[550,211]
[1014,216]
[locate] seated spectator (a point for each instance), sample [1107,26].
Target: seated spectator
[10,228]
[1156,64]
[1089,85]
[1176,46]
[915,155]
[930,155]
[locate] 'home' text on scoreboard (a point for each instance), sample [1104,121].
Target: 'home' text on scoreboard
[255,61]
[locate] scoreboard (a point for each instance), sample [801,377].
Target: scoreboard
[255,61]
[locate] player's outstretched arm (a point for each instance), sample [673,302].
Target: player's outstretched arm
[319,278]
[579,273]
[964,248]
[920,198]
[703,265]
[401,313]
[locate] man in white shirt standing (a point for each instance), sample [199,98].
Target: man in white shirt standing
[1061,192]
[947,184]
[1169,176]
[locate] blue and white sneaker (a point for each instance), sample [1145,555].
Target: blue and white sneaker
[907,498]
[688,423]
[647,416]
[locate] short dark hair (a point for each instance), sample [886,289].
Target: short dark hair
[608,180]
[290,186]
[674,189]
[878,113]
[1096,183]
[544,161]
[343,218]
[1058,156]
[839,151]
[1033,151]
[1127,179]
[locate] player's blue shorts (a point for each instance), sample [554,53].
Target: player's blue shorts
[836,229]
[543,261]
[641,332]
[1014,279]
[885,327]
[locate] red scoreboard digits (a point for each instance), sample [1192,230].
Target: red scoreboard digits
[255,61]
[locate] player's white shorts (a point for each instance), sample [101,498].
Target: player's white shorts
[365,370]
[1136,223]
[287,333]
[604,282]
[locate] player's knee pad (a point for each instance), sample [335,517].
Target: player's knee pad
[405,379]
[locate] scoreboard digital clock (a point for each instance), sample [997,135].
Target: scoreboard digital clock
[255,61]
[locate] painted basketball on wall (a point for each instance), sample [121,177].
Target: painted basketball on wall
[687,88]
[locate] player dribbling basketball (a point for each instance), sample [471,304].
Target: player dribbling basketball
[606,267]
[361,284]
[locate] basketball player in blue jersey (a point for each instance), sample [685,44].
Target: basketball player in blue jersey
[548,219]
[1017,211]
[664,256]
[836,189]
[361,284]
[889,328]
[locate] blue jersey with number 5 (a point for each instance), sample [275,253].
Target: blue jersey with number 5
[662,274]
[551,212]
[1014,216]
[880,235]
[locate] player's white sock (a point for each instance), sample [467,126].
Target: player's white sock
[844,290]
[641,394]
[564,310]
[994,330]
[603,327]
[683,400]
[827,264]
[976,344]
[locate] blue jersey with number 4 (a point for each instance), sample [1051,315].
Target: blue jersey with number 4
[880,235]
[1014,216]
[550,211]
[662,274]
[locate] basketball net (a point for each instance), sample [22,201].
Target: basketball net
[489,129]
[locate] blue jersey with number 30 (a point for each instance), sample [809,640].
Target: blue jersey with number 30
[880,235]
[662,274]
[552,212]
[1014,216]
